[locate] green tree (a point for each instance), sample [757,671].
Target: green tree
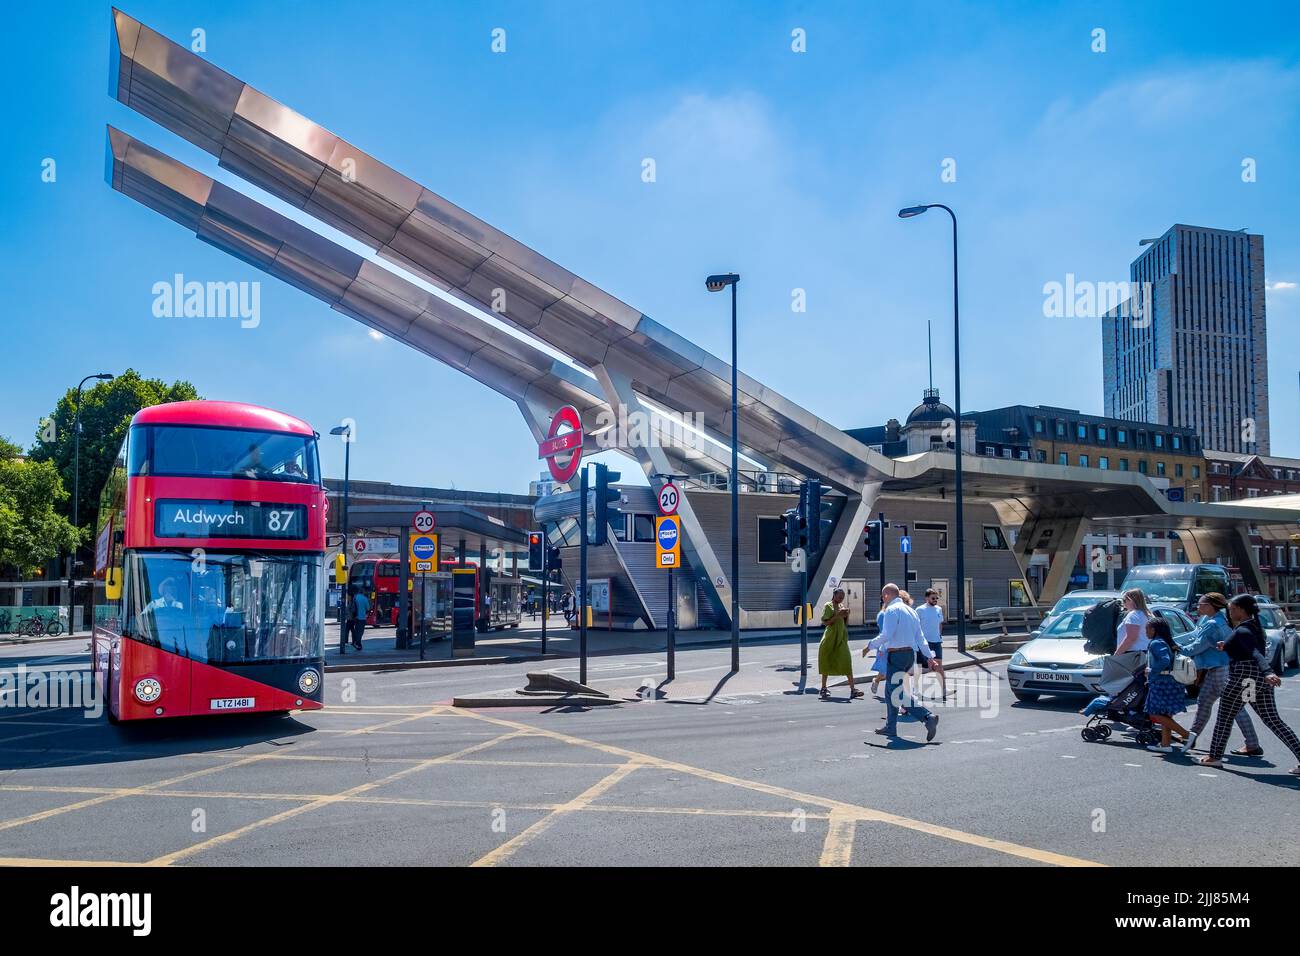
[32,532]
[106,412]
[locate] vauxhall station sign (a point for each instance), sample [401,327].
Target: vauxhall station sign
[562,447]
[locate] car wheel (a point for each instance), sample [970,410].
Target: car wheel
[1027,698]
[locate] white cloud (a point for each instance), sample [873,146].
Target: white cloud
[1279,286]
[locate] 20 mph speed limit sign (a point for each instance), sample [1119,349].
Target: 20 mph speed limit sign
[423,522]
[668,499]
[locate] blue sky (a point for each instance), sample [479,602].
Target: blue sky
[785,167]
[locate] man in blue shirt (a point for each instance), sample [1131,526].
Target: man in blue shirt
[901,639]
[360,610]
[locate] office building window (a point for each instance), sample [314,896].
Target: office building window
[643,527]
[1142,465]
[993,538]
[1196,471]
[1101,433]
[1103,463]
[1160,468]
[1142,439]
[1158,440]
[1060,429]
[1121,436]
[1062,459]
[1123,464]
[1041,455]
[938,527]
[1082,431]
[1177,441]
[1083,461]
[770,537]
[1178,470]
[1038,426]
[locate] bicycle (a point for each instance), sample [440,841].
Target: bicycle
[36,626]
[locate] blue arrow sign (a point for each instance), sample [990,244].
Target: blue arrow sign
[423,548]
[905,545]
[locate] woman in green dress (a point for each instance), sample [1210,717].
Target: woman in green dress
[833,657]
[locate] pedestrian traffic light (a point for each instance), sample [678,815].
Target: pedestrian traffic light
[873,541]
[553,562]
[789,531]
[604,496]
[535,552]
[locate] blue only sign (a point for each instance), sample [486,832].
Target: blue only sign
[423,548]
[905,545]
[668,534]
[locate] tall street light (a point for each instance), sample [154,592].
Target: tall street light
[76,488]
[346,432]
[908,213]
[716,284]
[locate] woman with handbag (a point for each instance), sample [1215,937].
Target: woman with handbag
[1248,683]
[1165,696]
[1201,645]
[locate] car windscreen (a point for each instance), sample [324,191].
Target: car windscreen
[1167,585]
[1069,603]
[1069,625]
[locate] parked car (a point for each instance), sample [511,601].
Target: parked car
[1283,646]
[1056,662]
[1179,584]
[1071,601]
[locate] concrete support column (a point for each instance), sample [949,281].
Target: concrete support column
[845,536]
[1061,538]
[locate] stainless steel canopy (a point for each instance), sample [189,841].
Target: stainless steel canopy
[407,224]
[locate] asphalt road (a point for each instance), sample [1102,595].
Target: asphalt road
[707,769]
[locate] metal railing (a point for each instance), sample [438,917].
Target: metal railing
[1004,618]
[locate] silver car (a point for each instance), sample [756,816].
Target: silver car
[1081,600]
[1283,643]
[1056,662]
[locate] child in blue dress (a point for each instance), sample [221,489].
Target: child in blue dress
[1165,696]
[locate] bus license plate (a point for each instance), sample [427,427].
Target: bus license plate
[1051,675]
[233,703]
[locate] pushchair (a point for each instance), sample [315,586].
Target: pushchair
[1122,701]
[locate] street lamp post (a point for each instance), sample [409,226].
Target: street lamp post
[76,489]
[346,432]
[908,213]
[716,283]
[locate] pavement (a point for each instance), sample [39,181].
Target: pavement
[710,768]
[524,643]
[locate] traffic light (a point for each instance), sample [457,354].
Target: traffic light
[873,541]
[790,531]
[604,496]
[340,569]
[535,546]
[553,561]
[819,528]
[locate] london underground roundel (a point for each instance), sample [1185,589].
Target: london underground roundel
[562,447]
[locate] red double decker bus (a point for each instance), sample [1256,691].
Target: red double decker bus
[380,580]
[211,557]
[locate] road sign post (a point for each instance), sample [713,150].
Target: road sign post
[668,555]
[546,573]
[905,547]
[582,580]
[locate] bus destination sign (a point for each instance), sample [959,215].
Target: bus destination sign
[229,519]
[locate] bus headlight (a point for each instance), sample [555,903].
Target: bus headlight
[308,681]
[147,690]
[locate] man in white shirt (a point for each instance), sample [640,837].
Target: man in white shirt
[901,639]
[930,614]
